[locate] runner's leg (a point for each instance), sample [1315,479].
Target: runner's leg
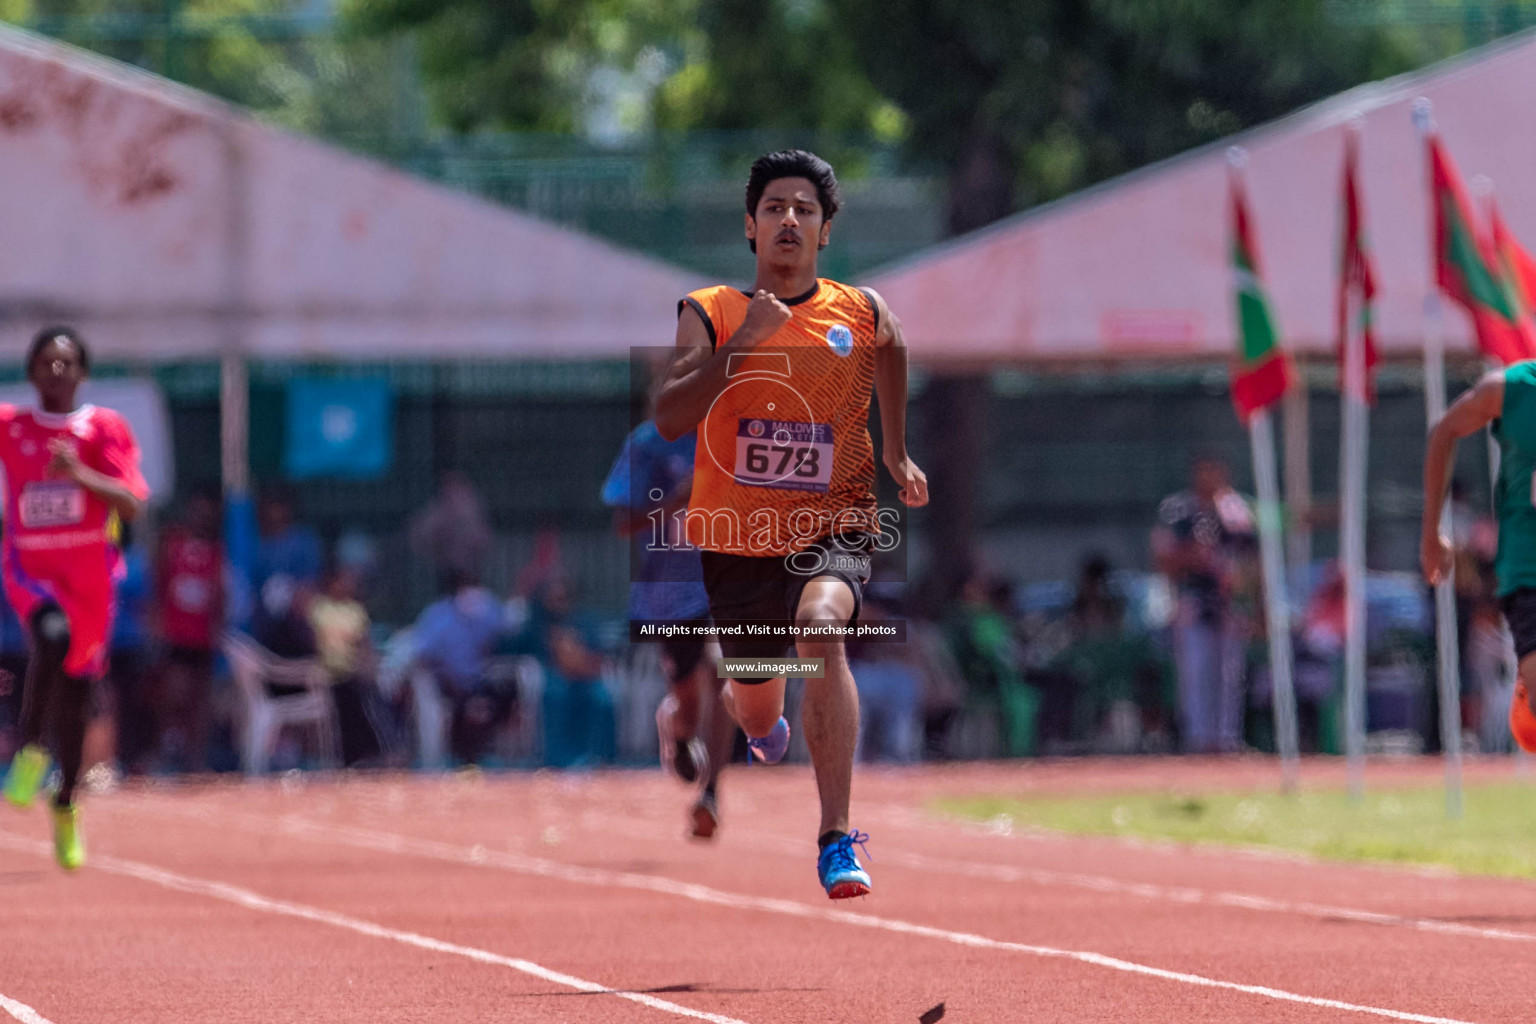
[50,643]
[830,714]
[72,713]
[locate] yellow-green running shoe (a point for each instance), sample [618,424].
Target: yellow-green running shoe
[28,770]
[68,849]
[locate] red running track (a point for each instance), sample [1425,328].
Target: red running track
[576,899]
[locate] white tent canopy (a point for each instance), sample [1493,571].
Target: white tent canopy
[1138,267]
[170,226]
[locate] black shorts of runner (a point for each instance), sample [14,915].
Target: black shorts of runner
[682,653]
[1519,608]
[744,588]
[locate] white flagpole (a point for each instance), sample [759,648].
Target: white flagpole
[1298,477]
[1261,434]
[1445,593]
[1352,467]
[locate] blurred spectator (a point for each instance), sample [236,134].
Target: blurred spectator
[136,735]
[981,636]
[453,638]
[579,721]
[284,547]
[1319,659]
[889,690]
[281,623]
[943,687]
[1203,539]
[340,624]
[452,532]
[189,605]
[1096,609]
[13,665]
[1474,543]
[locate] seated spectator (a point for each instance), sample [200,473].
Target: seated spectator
[340,624]
[189,605]
[281,623]
[981,636]
[1097,609]
[453,638]
[1117,680]
[579,720]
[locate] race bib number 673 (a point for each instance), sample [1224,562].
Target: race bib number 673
[784,454]
[51,504]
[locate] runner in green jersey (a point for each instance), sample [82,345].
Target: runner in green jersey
[1505,399]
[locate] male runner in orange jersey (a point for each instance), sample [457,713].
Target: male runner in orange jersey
[777,382]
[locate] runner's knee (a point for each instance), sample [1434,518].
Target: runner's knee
[50,635]
[755,708]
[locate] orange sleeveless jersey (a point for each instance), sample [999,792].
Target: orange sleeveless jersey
[784,456]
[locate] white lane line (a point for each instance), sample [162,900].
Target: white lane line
[254,901]
[480,856]
[22,1012]
[1187,895]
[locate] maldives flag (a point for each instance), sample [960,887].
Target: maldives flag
[1261,373]
[1467,269]
[1517,266]
[1357,276]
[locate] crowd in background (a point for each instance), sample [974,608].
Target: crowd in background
[1112,662]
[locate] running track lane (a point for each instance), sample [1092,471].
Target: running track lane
[592,928]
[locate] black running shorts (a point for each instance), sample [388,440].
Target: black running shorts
[743,588]
[1519,608]
[682,653]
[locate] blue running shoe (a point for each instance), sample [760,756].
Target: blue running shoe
[770,749]
[841,873]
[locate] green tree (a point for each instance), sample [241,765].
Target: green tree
[1024,101]
[270,56]
[523,65]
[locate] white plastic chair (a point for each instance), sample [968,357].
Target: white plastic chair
[434,714]
[525,672]
[638,686]
[254,668]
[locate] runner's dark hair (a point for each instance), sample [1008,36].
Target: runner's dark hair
[794,163]
[55,332]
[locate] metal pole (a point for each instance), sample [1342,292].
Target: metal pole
[234,423]
[1298,476]
[1277,608]
[1352,466]
[234,406]
[1445,593]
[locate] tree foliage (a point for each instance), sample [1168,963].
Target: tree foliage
[1017,101]
[1027,100]
[271,56]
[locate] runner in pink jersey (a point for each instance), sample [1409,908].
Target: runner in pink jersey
[68,469]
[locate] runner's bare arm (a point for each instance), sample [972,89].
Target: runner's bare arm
[698,375]
[891,387]
[66,463]
[1474,410]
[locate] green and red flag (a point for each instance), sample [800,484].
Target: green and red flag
[1517,265]
[1357,275]
[1468,270]
[1261,373]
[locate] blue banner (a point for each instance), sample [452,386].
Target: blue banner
[339,428]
